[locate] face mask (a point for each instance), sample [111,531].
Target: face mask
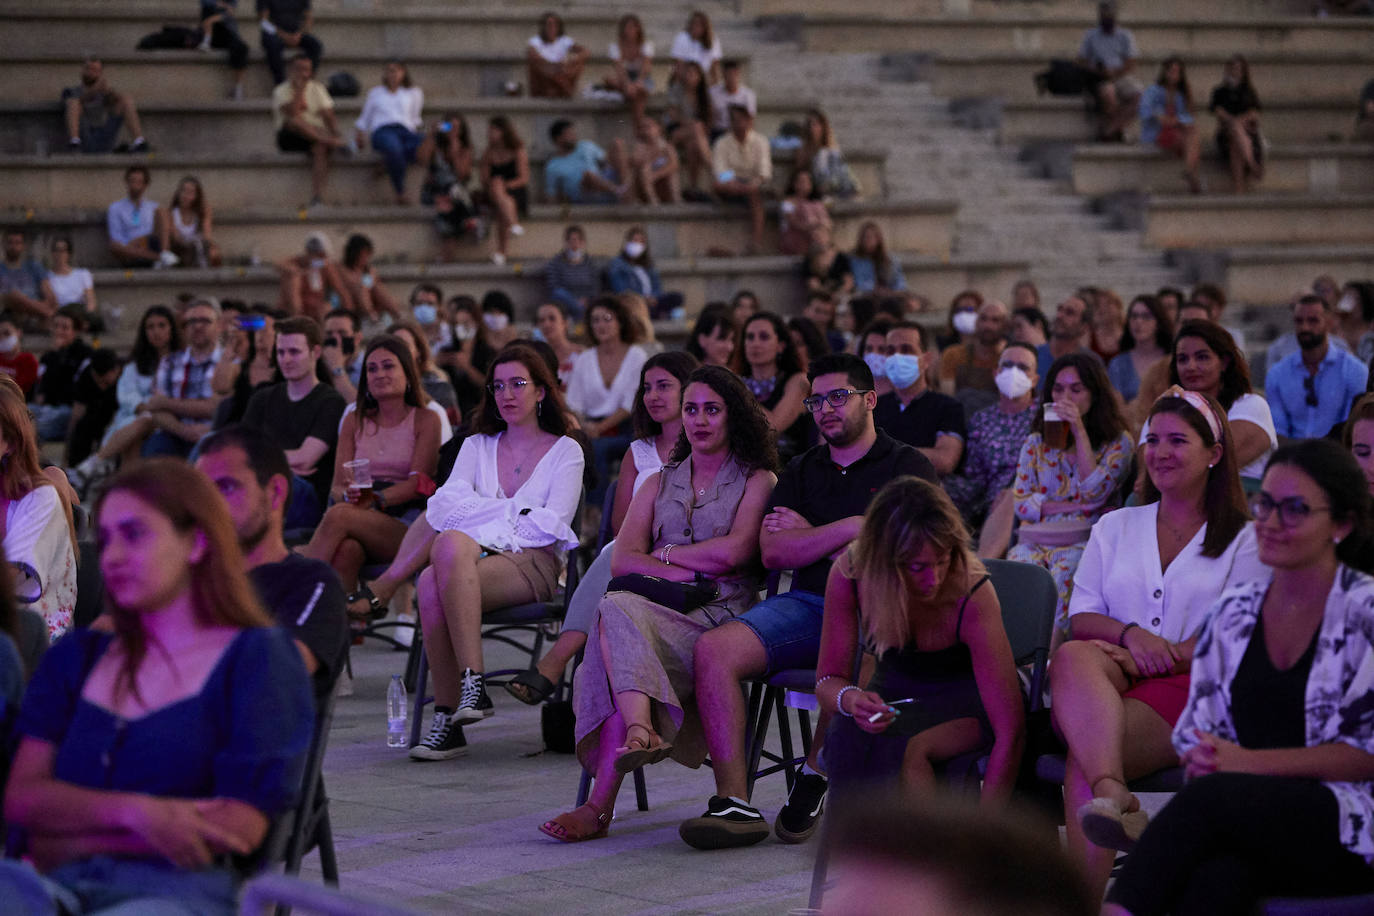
[575,255]
[1012,382]
[464,332]
[634,249]
[965,322]
[497,321]
[9,344]
[425,313]
[904,369]
[1348,303]
[537,334]
[877,364]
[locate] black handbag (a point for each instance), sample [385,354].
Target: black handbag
[683,597]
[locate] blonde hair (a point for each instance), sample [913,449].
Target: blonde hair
[907,515]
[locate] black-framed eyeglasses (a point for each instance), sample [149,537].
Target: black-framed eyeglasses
[837,398]
[517,384]
[1309,385]
[1293,511]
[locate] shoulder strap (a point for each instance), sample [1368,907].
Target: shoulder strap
[959,624]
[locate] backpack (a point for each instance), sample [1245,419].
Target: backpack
[1066,77]
[177,37]
[342,85]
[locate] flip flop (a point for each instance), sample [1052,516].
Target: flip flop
[566,827]
[638,752]
[536,687]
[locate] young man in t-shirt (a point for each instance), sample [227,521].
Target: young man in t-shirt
[818,506]
[300,414]
[16,362]
[913,413]
[583,172]
[58,371]
[24,285]
[134,224]
[304,595]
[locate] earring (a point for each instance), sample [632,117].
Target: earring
[1212,465]
[539,408]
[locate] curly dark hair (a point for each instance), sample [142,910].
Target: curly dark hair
[629,328]
[1104,421]
[553,416]
[677,363]
[789,361]
[752,440]
[1235,373]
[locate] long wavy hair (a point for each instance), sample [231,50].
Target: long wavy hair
[1334,471]
[221,594]
[1164,326]
[1235,372]
[907,515]
[368,407]
[144,354]
[552,416]
[1223,499]
[677,363]
[1103,421]
[789,361]
[20,470]
[752,441]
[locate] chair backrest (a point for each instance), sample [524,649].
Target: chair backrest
[1029,601]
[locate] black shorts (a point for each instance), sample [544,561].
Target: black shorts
[288,141]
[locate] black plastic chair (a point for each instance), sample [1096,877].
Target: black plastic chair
[310,828]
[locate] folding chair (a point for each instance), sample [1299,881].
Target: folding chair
[310,827]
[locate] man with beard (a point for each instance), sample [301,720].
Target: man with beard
[304,595]
[95,114]
[1311,391]
[971,366]
[818,506]
[1070,331]
[1109,52]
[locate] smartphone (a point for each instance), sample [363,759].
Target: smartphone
[252,322]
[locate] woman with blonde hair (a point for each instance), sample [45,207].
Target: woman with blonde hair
[911,592]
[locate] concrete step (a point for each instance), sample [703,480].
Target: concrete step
[1211,221]
[994,9]
[926,227]
[1301,168]
[267,179]
[1269,275]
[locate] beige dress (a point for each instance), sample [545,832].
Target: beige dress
[652,645]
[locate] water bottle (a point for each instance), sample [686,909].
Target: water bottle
[396,713]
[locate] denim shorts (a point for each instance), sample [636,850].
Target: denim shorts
[789,626]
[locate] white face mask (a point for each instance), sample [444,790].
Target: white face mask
[634,249]
[575,255]
[877,364]
[1012,382]
[464,332]
[1348,303]
[9,344]
[496,321]
[965,322]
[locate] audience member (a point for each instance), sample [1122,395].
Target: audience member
[802,212]
[551,326]
[962,321]
[1070,331]
[581,172]
[302,595]
[1141,593]
[572,277]
[95,114]
[632,56]
[1066,479]
[1109,51]
[391,121]
[1358,436]
[602,385]
[729,91]
[399,440]
[1025,295]
[70,285]
[1355,315]
[820,310]
[713,336]
[24,285]
[654,165]
[248,362]
[134,224]
[220,29]
[1323,287]
[188,230]
[1171,300]
[743,166]
[58,370]
[505,173]
[94,404]
[1166,119]
[1277,796]
[342,351]
[311,280]
[300,414]
[873,269]
[127,797]
[697,44]
[469,353]
[690,545]
[439,394]
[303,118]
[825,268]
[1029,326]
[910,614]
[808,338]
[1147,339]
[815,511]
[365,290]
[687,120]
[772,370]
[498,317]
[1108,321]
[1236,106]
[448,160]
[913,412]
[633,271]
[1311,391]
[183,400]
[871,346]
[555,62]
[16,362]
[286,24]
[742,305]
[971,365]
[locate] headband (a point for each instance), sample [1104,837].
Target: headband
[1199,403]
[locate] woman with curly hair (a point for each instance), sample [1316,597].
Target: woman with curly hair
[773,371]
[686,561]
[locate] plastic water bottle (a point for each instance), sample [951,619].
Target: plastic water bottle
[396,713]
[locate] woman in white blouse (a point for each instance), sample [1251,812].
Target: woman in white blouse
[391,121]
[71,285]
[1140,597]
[697,44]
[555,62]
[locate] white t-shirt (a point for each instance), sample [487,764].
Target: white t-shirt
[685,47]
[722,100]
[72,287]
[646,49]
[556,51]
[383,107]
[589,396]
[1254,409]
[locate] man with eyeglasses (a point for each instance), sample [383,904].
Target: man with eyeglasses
[817,508]
[183,401]
[1311,391]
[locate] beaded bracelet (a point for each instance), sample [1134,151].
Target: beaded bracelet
[1121,640]
[839,700]
[664,557]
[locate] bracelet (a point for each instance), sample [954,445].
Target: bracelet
[667,550]
[839,700]
[1121,640]
[828,677]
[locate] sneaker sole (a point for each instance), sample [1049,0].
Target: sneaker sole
[425,753]
[469,714]
[799,836]
[718,833]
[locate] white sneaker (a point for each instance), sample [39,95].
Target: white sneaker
[498,258]
[404,635]
[167,259]
[343,686]
[517,230]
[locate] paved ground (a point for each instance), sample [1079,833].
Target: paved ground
[462,835]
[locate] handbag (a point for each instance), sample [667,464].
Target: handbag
[683,597]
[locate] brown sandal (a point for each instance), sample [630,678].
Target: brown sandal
[571,826]
[638,751]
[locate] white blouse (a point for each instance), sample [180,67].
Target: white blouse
[1119,574]
[685,47]
[589,395]
[383,107]
[646,459]
[556,51]
[538,514]
[38,543]
[71,287]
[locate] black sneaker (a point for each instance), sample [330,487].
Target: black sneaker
[475,705]
[726,824]
[799,818]
[444,741]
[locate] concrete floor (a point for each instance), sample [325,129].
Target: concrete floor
[462,835]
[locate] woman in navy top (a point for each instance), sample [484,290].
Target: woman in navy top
[151,755]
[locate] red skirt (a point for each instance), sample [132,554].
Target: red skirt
[1165,695]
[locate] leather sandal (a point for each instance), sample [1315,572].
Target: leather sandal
[638,751]
[530,687]
[585,823]
[1107,824]
[375,609]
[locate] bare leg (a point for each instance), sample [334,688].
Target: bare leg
[755,221]
[506,215]
[71,112]
[936,745]
[129,111]
[563,651]
[438,641]
[722,658]
[289,297]
[1192,156]
[411,557]
[127,437]
[319,169]
[379,536]
[347,562]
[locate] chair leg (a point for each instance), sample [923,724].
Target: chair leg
[819,869]
[804,726]
[418,708]
[785,739]
[641,793]
[324,838]
[763,711]
[413,659]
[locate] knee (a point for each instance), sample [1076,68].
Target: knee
[725,653]
[1073,659]
[454,549]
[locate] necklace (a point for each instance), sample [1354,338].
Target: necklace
[1178,534]
[520,465]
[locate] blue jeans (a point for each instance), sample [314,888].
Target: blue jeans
[163,444]
[789,626]
[51,421]
[397,147]
[117,887]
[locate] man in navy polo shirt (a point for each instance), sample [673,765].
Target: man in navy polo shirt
[818,506]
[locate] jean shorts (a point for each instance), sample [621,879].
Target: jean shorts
[789,626]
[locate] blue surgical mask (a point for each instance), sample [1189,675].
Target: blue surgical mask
[425,313]
[536,334]
[904,369]
[877,364]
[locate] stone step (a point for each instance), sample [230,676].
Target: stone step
[993,9]
[674,231]
[1269,275]
[1099,169]
[1321,118]
[1211,221]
